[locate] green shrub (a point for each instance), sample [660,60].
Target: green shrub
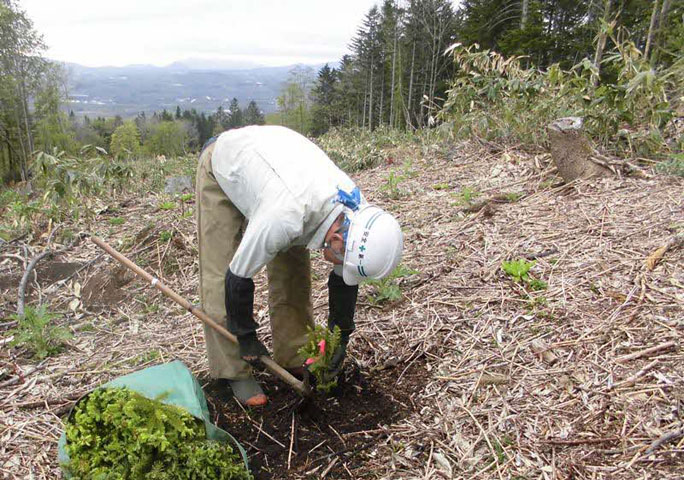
[65,181]
[10,196]
[36,333]
[125,142]
[169,138]
[354,148]
[118,433]
[493,96]
[22,212]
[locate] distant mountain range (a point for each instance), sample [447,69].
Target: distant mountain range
[192,83]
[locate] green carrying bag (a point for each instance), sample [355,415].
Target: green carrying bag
[173,384]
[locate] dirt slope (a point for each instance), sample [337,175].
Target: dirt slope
[469,375]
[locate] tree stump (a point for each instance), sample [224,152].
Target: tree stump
[572,152]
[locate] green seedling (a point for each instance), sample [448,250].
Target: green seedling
[36,333]
[467,195]
[519,270]
[391,186]
[537,302]
[167,205]
[513,197]
[387,289]
[117,221]
[318,352]
[536,285]
[408,170]
[187,197]
[673,166]
[440,186]
[165,235]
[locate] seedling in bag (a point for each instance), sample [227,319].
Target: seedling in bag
[118,433]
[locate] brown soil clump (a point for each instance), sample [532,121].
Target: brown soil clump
[106,287]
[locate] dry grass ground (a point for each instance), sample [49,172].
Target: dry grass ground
[582,380]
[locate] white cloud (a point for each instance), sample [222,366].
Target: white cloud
[159,32]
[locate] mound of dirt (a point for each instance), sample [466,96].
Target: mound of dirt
[47,273]
[106,287]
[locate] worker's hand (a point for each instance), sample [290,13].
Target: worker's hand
[251,348]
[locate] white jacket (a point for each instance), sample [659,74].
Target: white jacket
[283,184]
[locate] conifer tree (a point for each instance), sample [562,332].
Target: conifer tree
[235,119]
[323,116]
[367,47]
[253,115]
[221,120]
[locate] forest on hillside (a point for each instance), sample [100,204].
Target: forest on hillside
[398,74]
[482,67]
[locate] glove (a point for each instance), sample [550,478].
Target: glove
[240,309]
[337,361]
[341,305]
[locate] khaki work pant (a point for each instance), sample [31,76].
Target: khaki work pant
[219,231]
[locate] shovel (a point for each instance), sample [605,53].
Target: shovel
[300,387]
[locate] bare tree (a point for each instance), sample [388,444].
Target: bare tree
[602,38]
[651,28]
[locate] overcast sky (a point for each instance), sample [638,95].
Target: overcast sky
[159,32]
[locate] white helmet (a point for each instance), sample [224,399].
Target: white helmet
[374,245]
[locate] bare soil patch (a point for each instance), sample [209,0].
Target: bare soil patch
[46,274]
[327,433]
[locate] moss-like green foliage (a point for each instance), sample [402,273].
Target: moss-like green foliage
[119,434]
[318,352]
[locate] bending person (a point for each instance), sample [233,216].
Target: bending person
[265,196]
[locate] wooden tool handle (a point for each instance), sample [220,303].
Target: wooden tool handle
[276,369]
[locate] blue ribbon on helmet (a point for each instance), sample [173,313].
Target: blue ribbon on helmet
[351,200]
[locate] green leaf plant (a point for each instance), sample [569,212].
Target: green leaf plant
[318,351]
[116,433]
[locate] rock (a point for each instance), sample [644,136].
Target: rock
[175,185]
